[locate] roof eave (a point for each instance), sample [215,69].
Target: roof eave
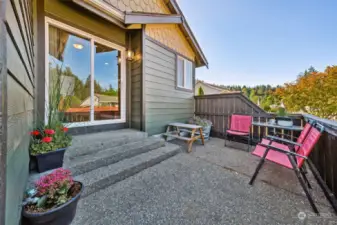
[213,87]
[103,10]
[151,18]
[122,19]
[190,36]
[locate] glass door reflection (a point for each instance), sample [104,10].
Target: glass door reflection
[106,83]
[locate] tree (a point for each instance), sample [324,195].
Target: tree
[253,96]
[200,91]
[313,93]
[312,70]
[245,92]
[110,91]
[308,72]
[261,90]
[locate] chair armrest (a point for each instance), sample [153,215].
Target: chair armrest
[283,151]
[273,138]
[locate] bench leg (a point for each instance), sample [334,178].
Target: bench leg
[178,130]
[167,131]
[190,142]
[202,136]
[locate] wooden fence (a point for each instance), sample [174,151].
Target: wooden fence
[218,108]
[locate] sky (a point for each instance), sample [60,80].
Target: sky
[251,42]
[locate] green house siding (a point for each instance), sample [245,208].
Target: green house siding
[163,102]
[18,102]
[136,81]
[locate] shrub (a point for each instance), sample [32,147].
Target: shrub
[200,121]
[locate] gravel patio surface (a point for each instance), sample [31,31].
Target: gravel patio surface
[204,187]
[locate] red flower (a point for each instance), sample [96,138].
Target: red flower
[47,139]
[35,133]
[49,131]
[65,129]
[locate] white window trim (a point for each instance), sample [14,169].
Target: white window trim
[184,75]
[92,38]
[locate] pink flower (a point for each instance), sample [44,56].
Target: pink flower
[54,181]
[47,139]
[49,131]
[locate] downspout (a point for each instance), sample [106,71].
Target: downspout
[129,84]
[143,100]
[3,112]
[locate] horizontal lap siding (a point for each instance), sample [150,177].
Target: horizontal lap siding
[136,82]
[19,102]
[163,102]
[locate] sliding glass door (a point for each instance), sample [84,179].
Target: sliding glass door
[85,77]
[106,83]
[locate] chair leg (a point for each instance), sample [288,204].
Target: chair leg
[249,143]
[305,178]
[226,137]
[258,167]
[302,182]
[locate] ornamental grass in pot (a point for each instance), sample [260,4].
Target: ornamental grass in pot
[205,123]
[54,199]
[50,139]
[48,146]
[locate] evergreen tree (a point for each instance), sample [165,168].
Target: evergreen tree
[200,91]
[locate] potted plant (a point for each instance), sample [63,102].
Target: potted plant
[54,199]
[282,119]
[48,147]
[206,125]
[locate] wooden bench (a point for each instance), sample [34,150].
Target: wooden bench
[174,129]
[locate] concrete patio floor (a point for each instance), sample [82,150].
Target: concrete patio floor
[207,186]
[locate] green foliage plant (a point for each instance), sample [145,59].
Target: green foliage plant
[200,91]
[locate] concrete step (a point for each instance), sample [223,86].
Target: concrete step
[105,176]
[86,163]
[92,143]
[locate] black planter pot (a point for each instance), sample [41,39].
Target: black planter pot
[62,215]
[50,160]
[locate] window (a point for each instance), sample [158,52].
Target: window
[86,73]
[184,73]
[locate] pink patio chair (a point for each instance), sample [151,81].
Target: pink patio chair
[283,143]
[239,126]
[283,155]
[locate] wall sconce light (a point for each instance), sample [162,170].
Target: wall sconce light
[130,55]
